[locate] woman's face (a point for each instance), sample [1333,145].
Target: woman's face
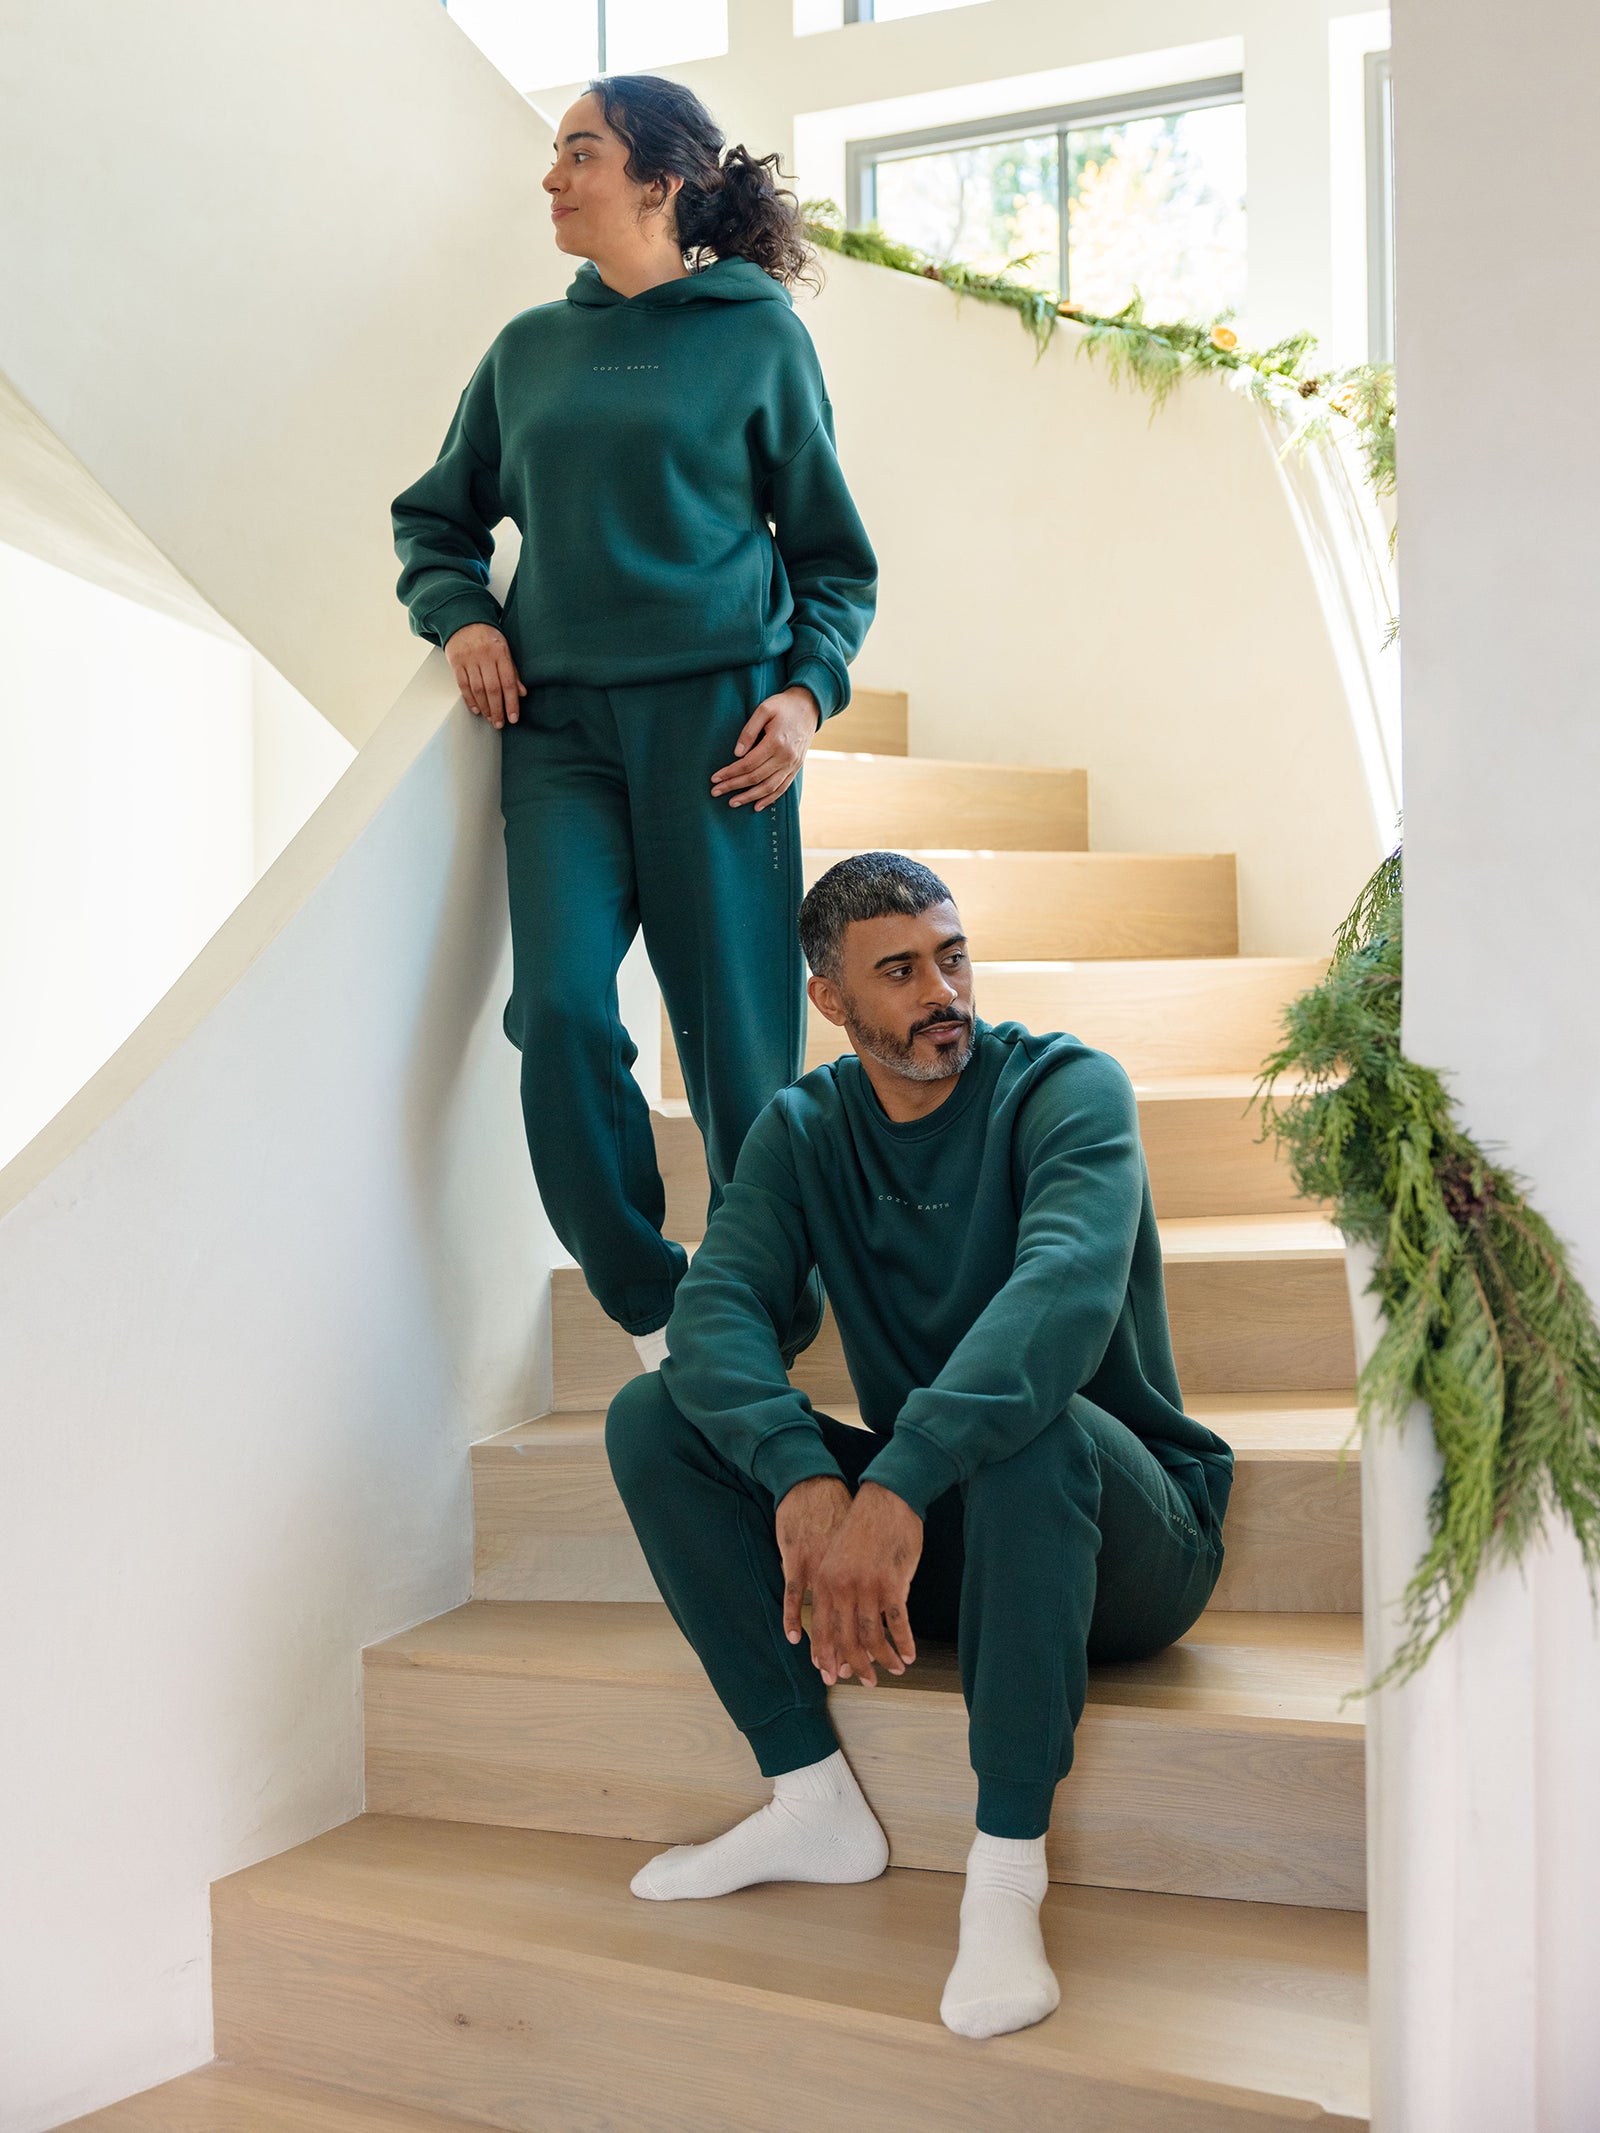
[596,209]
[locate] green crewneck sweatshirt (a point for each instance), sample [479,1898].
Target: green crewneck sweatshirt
[642,445]
[984,1264]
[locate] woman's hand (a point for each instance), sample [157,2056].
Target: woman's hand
[485,672]
[770,750]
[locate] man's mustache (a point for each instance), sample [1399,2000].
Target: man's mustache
[949,1014]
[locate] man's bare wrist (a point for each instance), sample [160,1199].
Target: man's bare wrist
[813,1481]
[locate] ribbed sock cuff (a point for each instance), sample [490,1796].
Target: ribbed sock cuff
[829,1779]
[1006,1851]
[1009,1808]
[792,1740]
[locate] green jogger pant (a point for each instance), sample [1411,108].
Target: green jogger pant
[610,826]
[1081,1547]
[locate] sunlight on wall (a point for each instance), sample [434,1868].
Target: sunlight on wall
[145,780]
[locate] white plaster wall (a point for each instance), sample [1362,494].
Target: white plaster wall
[280,1261]
[1067,580]
[1495,2030]
[252,1319]
[253,253]
[150,769]
[295,759]
[125,821]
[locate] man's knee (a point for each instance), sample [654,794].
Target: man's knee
[1061,1456]
[644,1431]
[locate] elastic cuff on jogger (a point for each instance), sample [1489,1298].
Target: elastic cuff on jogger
[1009,1808]
[793,1740]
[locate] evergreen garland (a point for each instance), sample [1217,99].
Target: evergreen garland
[1485,1321]
[1155,358]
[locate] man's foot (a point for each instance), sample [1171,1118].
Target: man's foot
[651,1348]
[1002,1979]
[817,1827]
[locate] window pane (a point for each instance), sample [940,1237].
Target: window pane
[533,46]
[984,206]
[660,33]
[892,10]
[1157,204]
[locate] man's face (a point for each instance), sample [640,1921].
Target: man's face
[904,994]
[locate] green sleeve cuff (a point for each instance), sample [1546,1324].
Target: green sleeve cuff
[791,1455]
[817,676]
[442,622]
[915,1468]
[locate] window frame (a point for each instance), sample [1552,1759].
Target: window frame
[863,157]
[1378,81]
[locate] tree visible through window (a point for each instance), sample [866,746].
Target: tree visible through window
[1154,200]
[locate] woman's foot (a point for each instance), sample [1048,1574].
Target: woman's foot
[817,1827]
[1002,1979]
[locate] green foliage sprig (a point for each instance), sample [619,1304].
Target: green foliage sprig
[1153,357]
[1485,1321]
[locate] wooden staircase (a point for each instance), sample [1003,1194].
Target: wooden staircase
[467,1953]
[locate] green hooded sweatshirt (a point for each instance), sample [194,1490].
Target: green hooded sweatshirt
[984,1264]
[642,445]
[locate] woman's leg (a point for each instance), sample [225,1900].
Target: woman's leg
[574,910]
[719,890]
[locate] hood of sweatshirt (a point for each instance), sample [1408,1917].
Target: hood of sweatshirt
[726,281]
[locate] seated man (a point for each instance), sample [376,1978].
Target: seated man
[1027,1483]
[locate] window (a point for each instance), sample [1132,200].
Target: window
[1380,208]
[1153,191]
[895,10]
[536,46]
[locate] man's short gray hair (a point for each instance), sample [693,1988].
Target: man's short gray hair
[867,885]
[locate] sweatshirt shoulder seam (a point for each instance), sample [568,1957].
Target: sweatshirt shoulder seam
[799,448]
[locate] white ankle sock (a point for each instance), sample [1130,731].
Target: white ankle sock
[817,1827]
[651,1347]
[1001,1978]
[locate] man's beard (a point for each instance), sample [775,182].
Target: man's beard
[899,1054]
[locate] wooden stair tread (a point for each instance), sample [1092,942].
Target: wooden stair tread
[1160,1015]
[1227,1238]
[1151,1088]
[1202,1143]
[862,799]
[1287,1425]
[1097,862]
[1246,1669]
[982,766]
[1228,2003]
[1126,905]
[245,2099]
[1279,1425]
[1193,1239]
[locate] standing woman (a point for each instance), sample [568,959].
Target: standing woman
[693,583]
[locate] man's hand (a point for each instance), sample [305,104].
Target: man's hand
[858,1595]
[808,1518]
[770,749]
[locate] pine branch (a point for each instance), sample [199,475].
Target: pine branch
[1484,1319]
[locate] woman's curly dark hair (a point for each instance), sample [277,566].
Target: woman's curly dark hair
[730,206]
